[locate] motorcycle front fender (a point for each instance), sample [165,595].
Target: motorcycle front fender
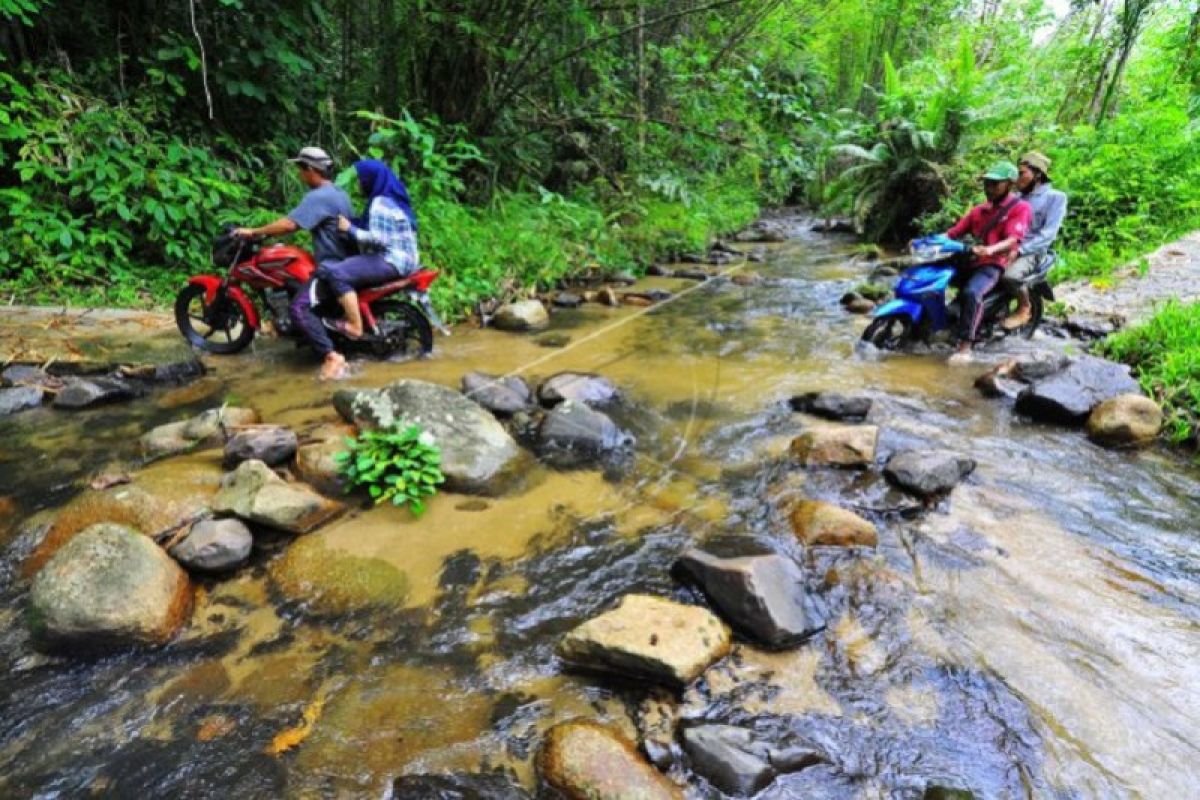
[909,308]
[212,285]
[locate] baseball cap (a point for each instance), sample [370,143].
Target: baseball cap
[1001,171]
[313,157]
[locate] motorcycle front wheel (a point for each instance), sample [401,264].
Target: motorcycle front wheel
[218,327]
[889,332]
[403,331]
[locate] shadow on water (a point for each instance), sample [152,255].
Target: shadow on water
[1005,641]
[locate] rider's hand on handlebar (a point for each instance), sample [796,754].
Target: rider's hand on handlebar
[243,233]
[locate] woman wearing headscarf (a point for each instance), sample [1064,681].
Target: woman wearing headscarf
[386,235]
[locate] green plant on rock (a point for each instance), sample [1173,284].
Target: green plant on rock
[400,465]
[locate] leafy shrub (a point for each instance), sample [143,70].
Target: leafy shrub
[1165,355]
[401,466]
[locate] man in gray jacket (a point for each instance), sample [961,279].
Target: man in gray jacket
[1049,207]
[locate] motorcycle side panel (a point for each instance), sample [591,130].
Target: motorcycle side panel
[899,306]
[212,285]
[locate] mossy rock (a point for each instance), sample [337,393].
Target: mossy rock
[872,291]
[332,581]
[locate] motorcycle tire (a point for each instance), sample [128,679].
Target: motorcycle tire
[889,332]
[403,331]
[218,321]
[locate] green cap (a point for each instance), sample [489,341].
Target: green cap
[1001,171]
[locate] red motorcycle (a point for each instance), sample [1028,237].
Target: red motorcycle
[217,315]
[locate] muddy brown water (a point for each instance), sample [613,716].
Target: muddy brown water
[1036,636]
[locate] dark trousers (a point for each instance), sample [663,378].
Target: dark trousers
[980,281]
[342,277]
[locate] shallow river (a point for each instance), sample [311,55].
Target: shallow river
[1037,635]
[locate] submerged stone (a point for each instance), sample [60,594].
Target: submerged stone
[80,393]
[817,523]
[19,398]
[585,760]
[832,405]
[109,587]
[729,758]
[649,637]
[331,581]
[573,435]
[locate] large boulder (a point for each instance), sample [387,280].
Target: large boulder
[836,446]
[928,473]
[1068,396]
[270,444]
[1127,420]
[585,760]
[81,393]
[582,387]
[523,315]
[649,637]
[832,405]
[816,523]
[503,396]
[109,587]
[761,595]
[256,494]
[214,545]
[478,454]
[19,398]
[572,435]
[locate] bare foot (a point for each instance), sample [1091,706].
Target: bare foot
[333,368]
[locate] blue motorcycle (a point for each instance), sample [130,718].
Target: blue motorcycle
[919,309]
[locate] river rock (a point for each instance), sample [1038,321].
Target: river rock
[214,545]
[585,760]
[478,454]
[316,459]
[729,758]
[1125,420]
[503,396]
[81,393]
[19,398]
[816,523]
[109,587]
[860,305]
[256,494]
[270,444]
[459,786]
[636,299]
[649,637]
[836,446]
[928,473]
[1069,396]
[832,405]
[212,427]
[523,315]
[582,387]
[608,297]
[330,580]
[623,278]
[567,300]
[571,435]
[660,270]
[761,595]
[24,375]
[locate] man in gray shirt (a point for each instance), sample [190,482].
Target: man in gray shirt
[1049,208]
[317,213]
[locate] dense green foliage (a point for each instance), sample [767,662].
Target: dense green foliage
[400,466]
[1165,354]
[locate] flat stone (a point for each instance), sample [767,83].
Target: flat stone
[729,758]
[521,316]
[214,545]
[836,446]
[256,494]
[503,396]
[80,393]
[1127,420]
[928,473]
[270,444]
[567,300]
[832,405]
[760,595]
[817,523]
[582,387]
[649,637]
[109,587]
[584,760]
[478,454]
[19,398]
[1069,396]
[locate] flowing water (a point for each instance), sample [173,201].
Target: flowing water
[1037,635]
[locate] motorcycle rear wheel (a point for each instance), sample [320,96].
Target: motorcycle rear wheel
[403,331]
[889,332]
[205,325]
